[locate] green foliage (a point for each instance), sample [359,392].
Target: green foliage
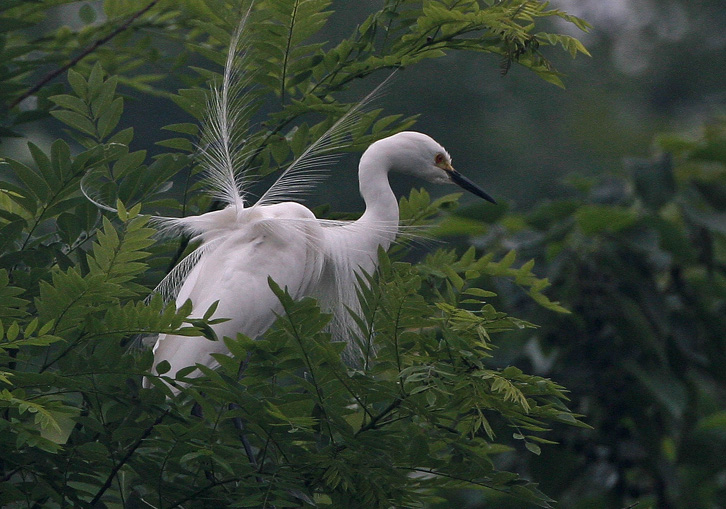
[352,437]
[429,410]
[640,260]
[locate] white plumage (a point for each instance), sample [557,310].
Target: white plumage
[242,246]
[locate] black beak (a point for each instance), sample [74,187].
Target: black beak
[463,182]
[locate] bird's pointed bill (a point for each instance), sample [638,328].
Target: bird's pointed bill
[463,182]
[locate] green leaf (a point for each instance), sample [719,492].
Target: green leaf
[30,328]
[87,14]
[43,164]
[12,333]
[109,117]
[71,102]
[76,121]
[478,292]
[185,128]
[182,144]
[60,158]
[163,367]
[95,80]
[33,182]
[10,233]
[105,96]
[123,215]
[533,448]
[78,83]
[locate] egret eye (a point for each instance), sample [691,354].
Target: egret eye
[439,159]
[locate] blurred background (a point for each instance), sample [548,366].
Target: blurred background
[616,185]
[656,66]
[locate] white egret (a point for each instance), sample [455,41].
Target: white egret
[242,246]
[287,243]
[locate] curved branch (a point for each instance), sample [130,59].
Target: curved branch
[90,49]
[373,424]
[127,456]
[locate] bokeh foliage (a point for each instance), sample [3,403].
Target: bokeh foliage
[639,257]
[429,413]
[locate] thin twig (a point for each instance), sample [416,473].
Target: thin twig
[374,422]
[239,423]
[125,459]
[90,49]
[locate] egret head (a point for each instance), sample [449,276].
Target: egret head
[420,155]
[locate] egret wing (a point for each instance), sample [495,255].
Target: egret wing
[235,274]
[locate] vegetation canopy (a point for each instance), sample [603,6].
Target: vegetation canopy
[428,412]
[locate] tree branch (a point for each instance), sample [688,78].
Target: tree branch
[90,49]
[126,458]
[374,422]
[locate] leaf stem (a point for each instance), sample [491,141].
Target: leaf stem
[286,58]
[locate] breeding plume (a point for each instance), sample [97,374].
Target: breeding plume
[242,245]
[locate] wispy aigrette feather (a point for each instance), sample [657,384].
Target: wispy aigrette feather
[221,149]
[168,288]
[313,164]
[243,245]
[222,154]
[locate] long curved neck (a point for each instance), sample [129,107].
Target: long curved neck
[379,223]
[381,203]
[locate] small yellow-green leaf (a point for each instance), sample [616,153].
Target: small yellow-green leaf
[30,328]
[123,215]
[478,292]
[455,279]
[13,331]
[533,448]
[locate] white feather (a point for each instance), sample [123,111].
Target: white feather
[242,246]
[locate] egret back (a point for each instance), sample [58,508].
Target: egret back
[281,242]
